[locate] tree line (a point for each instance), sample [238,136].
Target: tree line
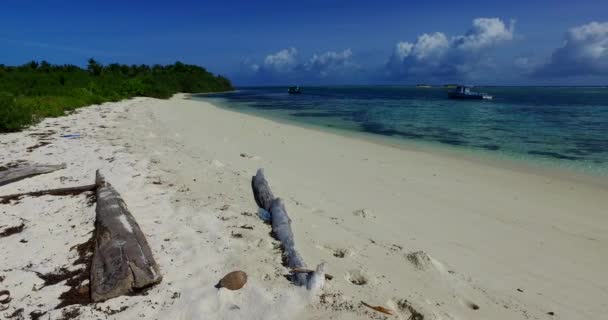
[36,90]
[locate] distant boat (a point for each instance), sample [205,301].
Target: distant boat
[450,86]
[294,90]
[423,86]
[464,92]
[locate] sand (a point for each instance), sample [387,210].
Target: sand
[413,230]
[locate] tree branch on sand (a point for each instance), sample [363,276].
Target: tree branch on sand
[23,171]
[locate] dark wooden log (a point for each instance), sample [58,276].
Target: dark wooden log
[51,192]
[281,225]
[261,190]
[22,171]
[122,261]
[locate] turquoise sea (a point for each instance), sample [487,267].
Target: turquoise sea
[549,126]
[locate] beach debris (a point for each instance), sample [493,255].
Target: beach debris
[244,155]
[69,313]
[50,192]
[36,146]
[234,280]
[18,314]
[281,225]
[122,260]
[419,259]
[340,253]
[37,314]
[379,308]
[71,136]
[12,230]
[357,277]
[15,172]
[406,306]
[364,213]
[5,296]
[551,313]
[520,290]
[472,305]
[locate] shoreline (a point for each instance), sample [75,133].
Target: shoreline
[405,229]
[463,212]
[545,167]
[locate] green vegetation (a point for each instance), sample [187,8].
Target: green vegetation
[35,90]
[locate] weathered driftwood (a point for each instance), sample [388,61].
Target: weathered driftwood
[122,261]
[261,190]
[281,225]
[51,192]
[22,171]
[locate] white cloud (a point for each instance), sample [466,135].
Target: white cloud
[285,65]
[436,55]
[330,62]
[284,60]
[402,50]
[583,53]
[484,33]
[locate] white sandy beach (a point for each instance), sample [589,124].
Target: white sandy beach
[406,229]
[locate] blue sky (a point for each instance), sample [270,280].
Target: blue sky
[324,42]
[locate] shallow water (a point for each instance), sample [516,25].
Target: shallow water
[552,126]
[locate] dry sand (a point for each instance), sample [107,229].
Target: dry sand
[414,231]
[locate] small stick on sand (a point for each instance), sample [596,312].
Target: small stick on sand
[51,192]
[379,309]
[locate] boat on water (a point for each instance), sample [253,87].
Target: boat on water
[422,85]
[464,92]
[294,90]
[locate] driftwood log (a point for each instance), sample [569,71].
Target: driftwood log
[122,261]
[281,226]
[22,171]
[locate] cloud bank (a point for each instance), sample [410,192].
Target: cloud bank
[435,56]
[286,65]
[583,53]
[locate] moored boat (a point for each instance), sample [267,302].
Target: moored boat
[294,90]
[464,92]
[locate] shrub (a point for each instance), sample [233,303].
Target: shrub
[37,90]
[13,116]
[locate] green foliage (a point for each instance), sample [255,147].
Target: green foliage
[35,90]
[12,116]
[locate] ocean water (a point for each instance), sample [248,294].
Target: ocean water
[549,126]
